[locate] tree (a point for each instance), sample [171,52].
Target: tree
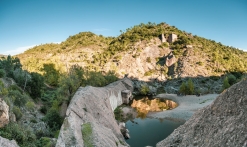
[2,73]
[144,89]
[187,88]
[51,75]
[231,79]
[36,84]
[226,83]
[183,88]
[10,64]
[190,87]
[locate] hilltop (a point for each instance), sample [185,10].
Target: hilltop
[145,52]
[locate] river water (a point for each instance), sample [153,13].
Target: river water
[149,131]
[145,131]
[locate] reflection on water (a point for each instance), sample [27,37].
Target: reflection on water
[145,105]
[148,132]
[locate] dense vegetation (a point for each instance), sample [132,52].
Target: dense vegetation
[50,90]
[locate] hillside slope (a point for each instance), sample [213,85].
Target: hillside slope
[146,52]
[223,123]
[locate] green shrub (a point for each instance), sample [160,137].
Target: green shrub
[18,98]
[231,79]
[187,88]
[2,73]
[87,132]
[190,86]
[53,119]
[118,113]
[22,135]
[149,73]
[226,83]
[36,84]
[45,142]
[17,112]
[183,88]
[148,59]
[14,87]
[30,106]
[3,90]
[144,89]
[43,109]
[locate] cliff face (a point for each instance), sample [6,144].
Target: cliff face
[223,123]
[92,107]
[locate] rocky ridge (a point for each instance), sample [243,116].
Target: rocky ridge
[94,106]
[223,123]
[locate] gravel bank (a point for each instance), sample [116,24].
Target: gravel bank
[187,105]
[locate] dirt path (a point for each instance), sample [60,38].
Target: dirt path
[187,105]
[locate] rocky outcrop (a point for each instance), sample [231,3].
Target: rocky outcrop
[140,61]
[92,107]
[223,123]
[7,143]
[170,60]
[126,96]
[4,113]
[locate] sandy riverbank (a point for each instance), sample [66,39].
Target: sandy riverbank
[187,105]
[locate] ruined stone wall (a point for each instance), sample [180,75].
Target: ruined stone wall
[172,38]
[94,105]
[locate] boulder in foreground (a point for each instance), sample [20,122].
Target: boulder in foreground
[90,119]
[223,123]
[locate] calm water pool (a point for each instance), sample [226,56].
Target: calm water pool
[149,131]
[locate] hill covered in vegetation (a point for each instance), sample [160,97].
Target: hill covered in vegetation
[145,52]
[140,52]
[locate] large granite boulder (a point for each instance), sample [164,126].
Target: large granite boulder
[4,113]
[223,123]
[90,118]
[7,143]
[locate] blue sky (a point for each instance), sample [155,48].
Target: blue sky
[25,23]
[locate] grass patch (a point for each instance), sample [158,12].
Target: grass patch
[87,135]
